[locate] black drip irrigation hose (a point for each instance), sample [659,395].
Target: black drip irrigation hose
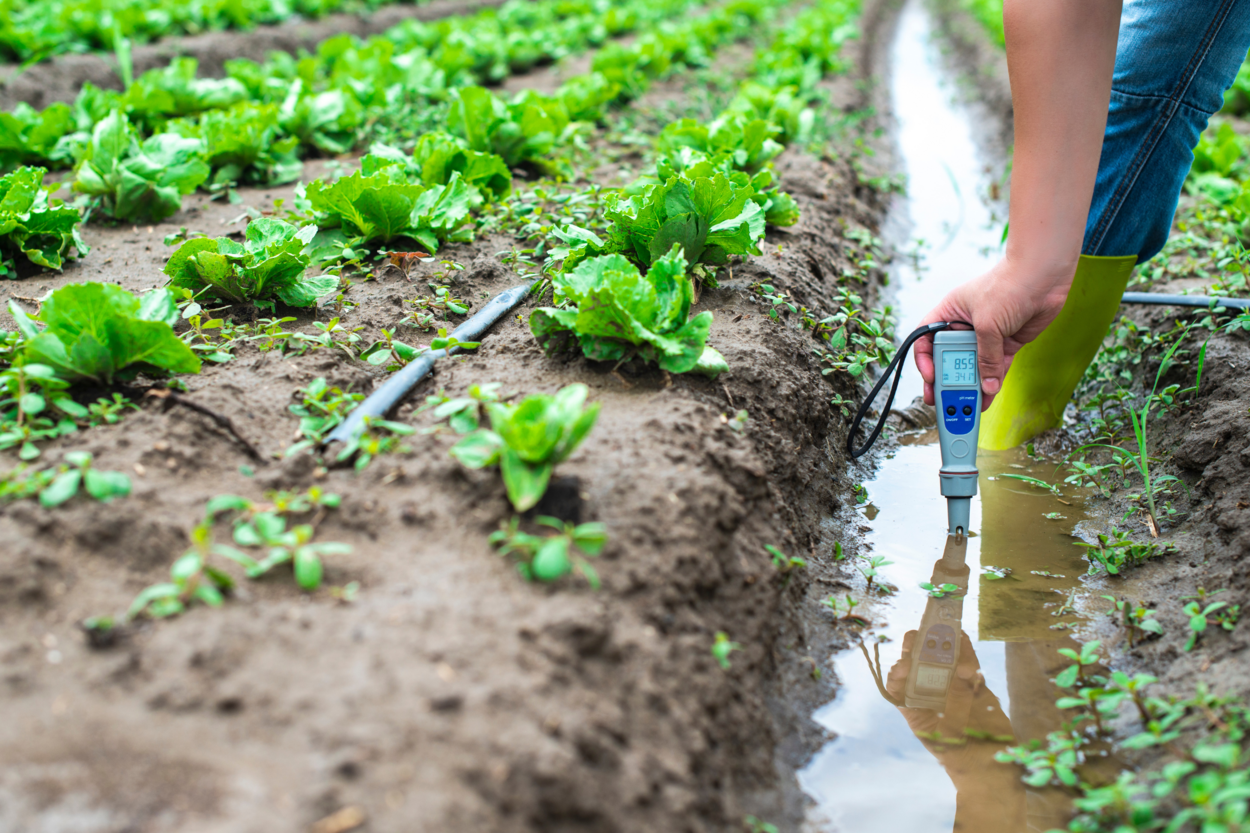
[404,380]
[398,386]
[1204,301]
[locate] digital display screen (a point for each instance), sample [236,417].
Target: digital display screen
[932,677]
[959,367]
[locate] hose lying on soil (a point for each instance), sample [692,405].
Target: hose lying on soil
[1184,300]
[404,380]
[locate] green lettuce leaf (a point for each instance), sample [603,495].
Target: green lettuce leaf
[617,313]
[139,181]
[100,332]
[34,227]
[269,264]
[377,205]
[28,135]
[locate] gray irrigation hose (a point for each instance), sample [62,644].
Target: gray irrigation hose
[404,380]
[1204,301]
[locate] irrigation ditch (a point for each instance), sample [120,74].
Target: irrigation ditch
[428,688]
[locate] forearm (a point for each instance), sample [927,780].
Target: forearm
[1060,56]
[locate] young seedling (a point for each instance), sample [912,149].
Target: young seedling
[1076,673]
[845,610]
[1199,617]
[722,648]
[875,563]
[389,353]
[463,413]
[294,546]
[549,558]
[191,580]
[1138,621]
[441,306]
[784,563]
[321,409]
[380,436]
[939,591]
[75,474]
[527,440]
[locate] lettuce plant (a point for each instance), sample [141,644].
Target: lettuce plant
[525,130]
[437,156]
[268,265]
[174,90]
[377,205]
[242,145]
[29,135]
[99,333]
[615,313]
[328,121]
[139,181]
[34,227]
[527,440]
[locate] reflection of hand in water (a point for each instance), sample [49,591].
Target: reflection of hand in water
[989,795]
[965,687]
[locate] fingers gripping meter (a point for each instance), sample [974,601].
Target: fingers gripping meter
[957,398]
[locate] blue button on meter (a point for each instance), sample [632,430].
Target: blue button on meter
[961,408]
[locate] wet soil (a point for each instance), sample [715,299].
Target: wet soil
[1202,441]
[450,695]
[60,78]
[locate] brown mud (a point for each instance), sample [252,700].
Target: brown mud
[450,695]
[60,78]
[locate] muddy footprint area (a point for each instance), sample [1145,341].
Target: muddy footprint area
[447,693]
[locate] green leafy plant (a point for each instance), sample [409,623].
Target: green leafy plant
[77,474]
[33,227]
[35,404]
[136,180]
[615,313]
[463,413]
[548,558]
[875,563]
[784,563]
[1115,550]
[192,580]
[1138,620]
[100,332]
[1033,481]
[269,265]
[321,408]
[1200,617]
[377,205]
[1083,660]
[380,436]
[528,439]
[845,610]
[722,647]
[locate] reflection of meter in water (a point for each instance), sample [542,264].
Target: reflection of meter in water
[957,395]
[935,653]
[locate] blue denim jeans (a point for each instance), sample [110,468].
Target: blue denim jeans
[1173,62]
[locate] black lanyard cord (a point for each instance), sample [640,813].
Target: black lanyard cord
[893,369]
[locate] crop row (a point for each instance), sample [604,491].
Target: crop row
[31,30]
[707,198]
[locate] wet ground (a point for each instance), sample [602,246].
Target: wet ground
[940,684]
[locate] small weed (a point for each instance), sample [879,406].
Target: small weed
[321,409]
[191,580]
[992,573]
[722,648]
[1138,620]
[1114,551]
[463,413]
[549,558]
[845,610]
[1033,481]
[784,563]
[76,474]
[939,591]
[1216,613]
[875,563]
[1083,660]
[438,307]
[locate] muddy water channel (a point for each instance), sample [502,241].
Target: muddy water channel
[940,685]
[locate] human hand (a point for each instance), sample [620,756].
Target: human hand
[1008,306]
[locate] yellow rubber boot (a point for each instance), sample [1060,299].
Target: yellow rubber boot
[1045,371]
